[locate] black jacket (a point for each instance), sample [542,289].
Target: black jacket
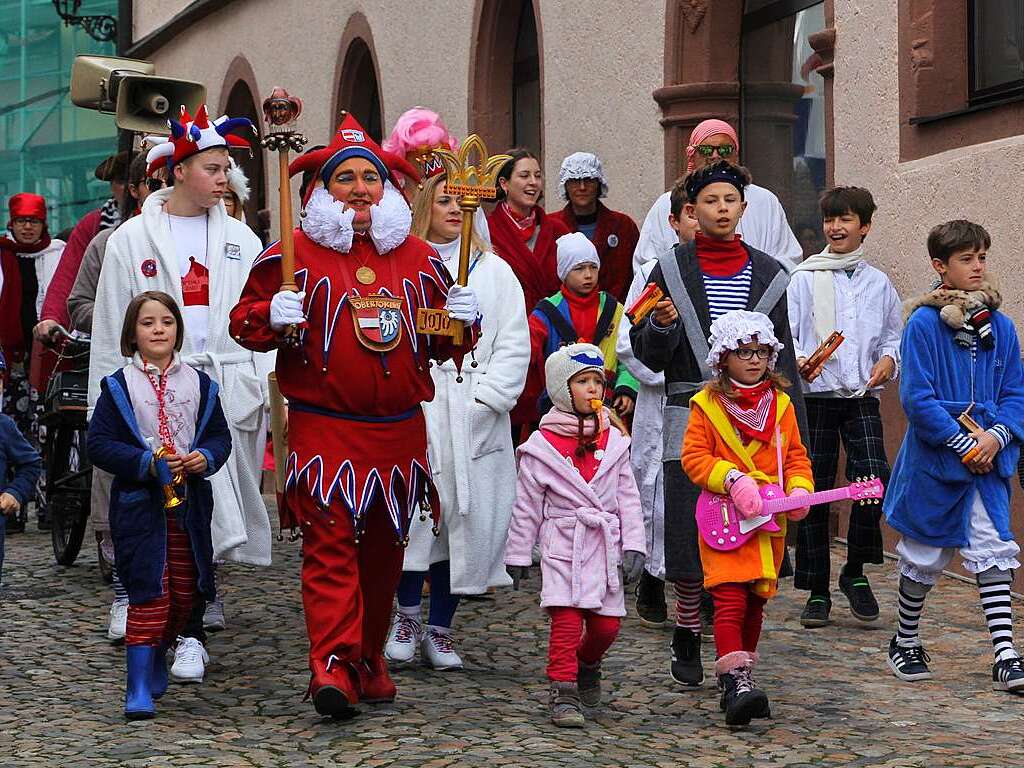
[669,349]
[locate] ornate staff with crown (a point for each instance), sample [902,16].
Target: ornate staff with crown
[471,183]
[280,111]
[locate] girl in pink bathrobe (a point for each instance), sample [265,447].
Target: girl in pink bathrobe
[576,496]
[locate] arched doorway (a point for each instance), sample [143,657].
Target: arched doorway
[358,89]
[241,103]
[506,83]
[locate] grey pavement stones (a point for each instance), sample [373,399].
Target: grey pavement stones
[835,703]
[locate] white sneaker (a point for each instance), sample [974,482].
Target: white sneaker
[190,660]
[118,621]
[213,618]
[403,638]
[438,648]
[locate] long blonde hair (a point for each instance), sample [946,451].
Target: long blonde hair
[422,208]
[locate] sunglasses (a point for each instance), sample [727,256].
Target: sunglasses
[746,353]
[155,184]
[707,150]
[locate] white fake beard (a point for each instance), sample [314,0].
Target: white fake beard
[329,223]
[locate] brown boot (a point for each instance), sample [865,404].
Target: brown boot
[566,711]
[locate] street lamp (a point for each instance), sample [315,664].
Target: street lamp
[101,28]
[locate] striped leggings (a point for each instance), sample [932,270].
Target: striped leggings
[160,620]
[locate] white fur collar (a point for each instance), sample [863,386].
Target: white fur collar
[329,223]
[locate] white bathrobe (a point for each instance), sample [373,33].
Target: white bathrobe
[470,437]
[240,527]
[645,456]
[763,226]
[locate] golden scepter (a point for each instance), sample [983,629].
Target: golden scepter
[280,111]
[471,183]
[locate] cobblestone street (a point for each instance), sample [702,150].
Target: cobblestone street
[835,703]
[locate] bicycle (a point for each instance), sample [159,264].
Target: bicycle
[67,490]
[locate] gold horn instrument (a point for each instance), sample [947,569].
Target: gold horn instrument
[171,497]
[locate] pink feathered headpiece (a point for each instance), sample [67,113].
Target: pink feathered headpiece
[419,129]
[704,130]
[418,132]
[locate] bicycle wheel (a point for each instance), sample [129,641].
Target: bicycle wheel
[68,493]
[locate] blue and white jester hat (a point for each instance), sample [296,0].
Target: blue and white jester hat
[190,136]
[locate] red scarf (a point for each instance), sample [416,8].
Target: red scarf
[583,312]
[752,411]
[526,226]
[721,258]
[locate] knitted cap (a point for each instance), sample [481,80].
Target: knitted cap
[740,327]
[581,165]
[564,363]
[575,249]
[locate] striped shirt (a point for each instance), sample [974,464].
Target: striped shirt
[963,443]
[728,293]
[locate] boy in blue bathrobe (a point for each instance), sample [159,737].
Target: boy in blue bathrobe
[950,486]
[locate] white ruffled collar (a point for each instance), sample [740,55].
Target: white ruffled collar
[328,222]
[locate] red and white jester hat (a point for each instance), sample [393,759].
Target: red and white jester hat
[191,136]
[351,140]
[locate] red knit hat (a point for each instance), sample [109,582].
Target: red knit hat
[351,140]
[191,136]
[27,204]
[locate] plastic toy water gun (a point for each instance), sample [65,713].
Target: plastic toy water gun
[645,303]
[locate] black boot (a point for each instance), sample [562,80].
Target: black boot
[686,667]
[741,699]
[650,600]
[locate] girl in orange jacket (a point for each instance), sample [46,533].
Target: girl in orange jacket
[742,427]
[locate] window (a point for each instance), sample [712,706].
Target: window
[996,49]
[782,111]
[526,83]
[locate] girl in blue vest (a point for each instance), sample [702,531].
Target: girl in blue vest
[159,429]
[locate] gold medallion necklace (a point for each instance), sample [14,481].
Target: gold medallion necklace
[366,275]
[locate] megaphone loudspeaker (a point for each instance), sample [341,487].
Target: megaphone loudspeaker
[129,88]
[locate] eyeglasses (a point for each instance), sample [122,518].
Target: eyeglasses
[155,184]
[27,220]
[746,353]
[707,150]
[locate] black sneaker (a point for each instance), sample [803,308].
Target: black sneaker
[650,600]
[707,615]
[911,664]
[862,600]
[815,613]
[741,699]
[686,666]
[1008,675]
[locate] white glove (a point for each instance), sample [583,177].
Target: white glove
[286,309]
[462,304]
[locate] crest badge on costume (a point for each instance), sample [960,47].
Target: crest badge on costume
[378,321]
[353,135]
[613,240]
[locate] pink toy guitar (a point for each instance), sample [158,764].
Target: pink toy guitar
[722,528]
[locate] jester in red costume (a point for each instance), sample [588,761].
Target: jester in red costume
[357,465]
